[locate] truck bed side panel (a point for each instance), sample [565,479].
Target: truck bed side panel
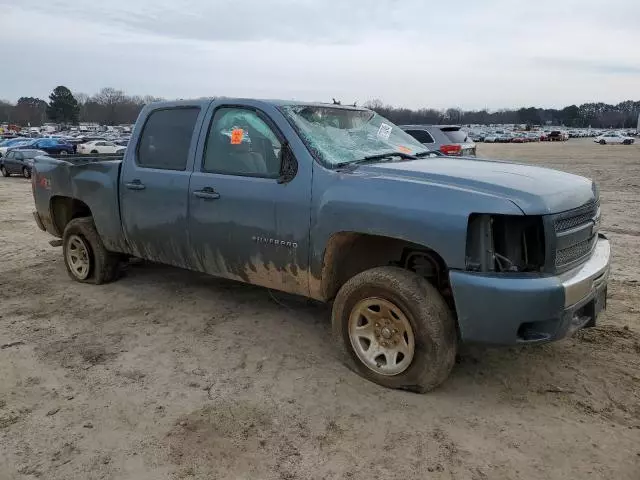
[93,183]
[96,184]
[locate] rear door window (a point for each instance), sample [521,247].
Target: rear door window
[166,138]
[455,135]
[421,135]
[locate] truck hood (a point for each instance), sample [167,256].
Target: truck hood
[535,190]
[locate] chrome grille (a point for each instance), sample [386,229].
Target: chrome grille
[574,218]
[574,252]
[576,234]
[565,224]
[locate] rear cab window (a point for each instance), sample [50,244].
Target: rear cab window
[455,134]
[166,138]
[421,135]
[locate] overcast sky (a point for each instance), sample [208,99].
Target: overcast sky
[415,53]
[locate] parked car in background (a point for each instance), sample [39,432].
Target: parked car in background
[533,136]
[614,138]
[519,138]
[100,146]
[491,138]
[19,162]
[477,136]
[52,146]
[12,142]
[557,136]
[449,139]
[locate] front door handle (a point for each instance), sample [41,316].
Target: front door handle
[207,193]
[135,185]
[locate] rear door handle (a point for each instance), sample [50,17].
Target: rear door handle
[135,185]
[207,193]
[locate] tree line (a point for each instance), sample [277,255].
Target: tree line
[107,107]
[596,115]
[113,107]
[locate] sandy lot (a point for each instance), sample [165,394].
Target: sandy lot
[167,374]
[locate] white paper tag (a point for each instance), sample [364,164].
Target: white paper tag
[384,131]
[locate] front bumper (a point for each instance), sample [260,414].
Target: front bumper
[507,309]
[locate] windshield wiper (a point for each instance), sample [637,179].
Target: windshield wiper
[429,153]
[380,156]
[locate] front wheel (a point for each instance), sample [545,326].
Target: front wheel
[64,152]
[4,171]
[602,142]
[86,258]
[395,329]
[26,172]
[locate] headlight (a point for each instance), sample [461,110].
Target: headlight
[505,243]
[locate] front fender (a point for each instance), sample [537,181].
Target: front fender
[428,214]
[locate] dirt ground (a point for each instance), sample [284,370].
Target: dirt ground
[167,374]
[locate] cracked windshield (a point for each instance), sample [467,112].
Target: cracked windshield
[338,136]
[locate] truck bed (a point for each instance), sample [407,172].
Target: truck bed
[90,179]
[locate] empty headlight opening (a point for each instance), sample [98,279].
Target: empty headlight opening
[505,243]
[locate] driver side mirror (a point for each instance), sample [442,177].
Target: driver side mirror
[288,164]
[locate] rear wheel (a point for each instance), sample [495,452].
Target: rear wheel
[94,151]
[86,258]
[395,329]
[4,171]
[26,172]
[627,142]
[602,142]
[63,152]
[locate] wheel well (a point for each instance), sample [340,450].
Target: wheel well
[350,253]
[65,209]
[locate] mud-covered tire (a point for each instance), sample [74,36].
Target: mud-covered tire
[430,317]
[103,264]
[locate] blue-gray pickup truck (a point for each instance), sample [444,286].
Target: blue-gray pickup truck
[417,252]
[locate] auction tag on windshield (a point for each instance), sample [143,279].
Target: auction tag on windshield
[236,136]
[403,149]
[384,131]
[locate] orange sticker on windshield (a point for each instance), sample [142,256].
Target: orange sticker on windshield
[236,136]
[403,149]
